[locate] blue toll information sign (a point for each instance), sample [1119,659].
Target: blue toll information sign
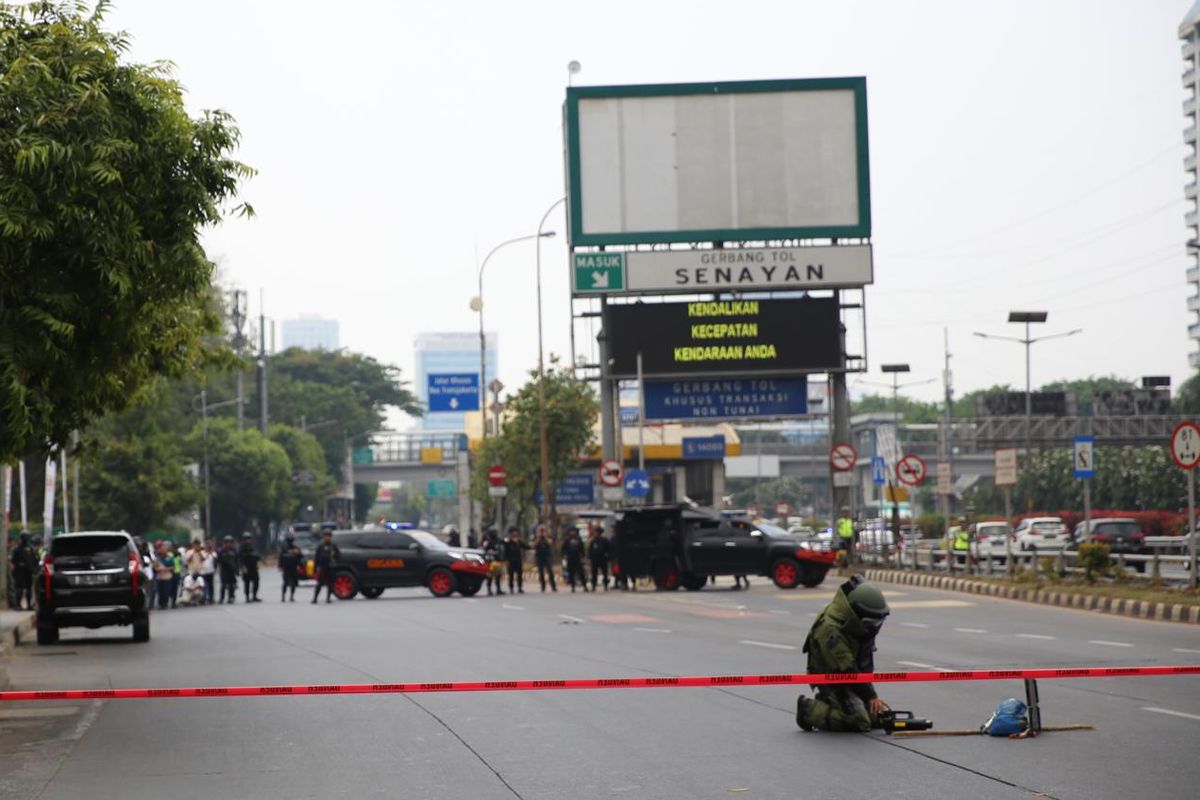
[637,483]
[454,392]
[704,446]
[733,398]
[578,488]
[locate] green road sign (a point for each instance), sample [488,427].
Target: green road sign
[440,489]
[363,455]
[599,272]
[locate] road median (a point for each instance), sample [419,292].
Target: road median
[1087,598]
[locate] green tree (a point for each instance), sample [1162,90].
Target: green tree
[1085,389]
[571,412]
[310,481]
[1187,398]
[339,394]
[105,183]
[249,475]
[135,484]
[911,411]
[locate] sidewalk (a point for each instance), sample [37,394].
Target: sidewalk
[15,627]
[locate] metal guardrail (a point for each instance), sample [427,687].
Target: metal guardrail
[1065,561]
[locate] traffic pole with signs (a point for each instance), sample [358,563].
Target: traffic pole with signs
[1185,451]
[1006,476]
[1083,455]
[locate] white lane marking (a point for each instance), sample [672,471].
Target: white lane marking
[914,625]
[930,603]
[1170,712]
[1183,650]
[1040,636]
[653,630]
[970,630]
[513,608]
[38,713]
[772,645]
[1109,644]
[919,665]
[777,611]
[569,618]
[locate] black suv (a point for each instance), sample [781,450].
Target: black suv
[1122,535]
[91,580]
[683,545]
[379,558]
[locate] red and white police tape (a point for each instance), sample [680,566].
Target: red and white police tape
[694,681]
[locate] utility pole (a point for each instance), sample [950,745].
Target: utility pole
[262,365]
[946,429]
[239,347]
[840,418]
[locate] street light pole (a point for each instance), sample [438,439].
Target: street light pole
[544,435]
[477,305]
[204,407]
[1028,317]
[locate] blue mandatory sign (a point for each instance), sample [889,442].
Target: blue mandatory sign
[1083,454]
[704,446]
[734,398]
[878,471]
[454,392]
[637,483]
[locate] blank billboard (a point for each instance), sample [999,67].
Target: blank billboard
[743,161]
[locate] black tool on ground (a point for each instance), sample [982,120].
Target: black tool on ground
[893,720]
[1035,713]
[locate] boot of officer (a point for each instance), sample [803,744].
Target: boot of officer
[842,639]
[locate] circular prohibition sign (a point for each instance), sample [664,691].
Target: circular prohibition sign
[1185,445]
[842,457]
[911,470]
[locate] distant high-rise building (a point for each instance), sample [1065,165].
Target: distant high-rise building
[310,332]
[450,354]
[1189,32]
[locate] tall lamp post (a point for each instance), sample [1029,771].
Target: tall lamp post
[1028,318]
[477,305]
[543,434]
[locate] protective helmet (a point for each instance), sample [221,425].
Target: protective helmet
[869,605]
[227,538]
[449,529]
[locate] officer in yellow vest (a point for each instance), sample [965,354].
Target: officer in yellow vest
[845,532]
[960,540]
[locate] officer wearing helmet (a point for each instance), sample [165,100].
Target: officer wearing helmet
[842,639]
[453,538]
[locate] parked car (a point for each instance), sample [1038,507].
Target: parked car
[1041,533]
[1122,535]
[990,540]
[92,579]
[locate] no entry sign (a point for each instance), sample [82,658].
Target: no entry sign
[842,457]
[611,473]
[497,475]
[911,470]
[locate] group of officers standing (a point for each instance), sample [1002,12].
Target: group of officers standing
[507,556]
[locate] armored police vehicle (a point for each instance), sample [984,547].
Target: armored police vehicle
[681,545]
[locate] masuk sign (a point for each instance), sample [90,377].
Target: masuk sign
[732,269]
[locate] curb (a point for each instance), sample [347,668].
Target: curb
[1140,609]
[10,637]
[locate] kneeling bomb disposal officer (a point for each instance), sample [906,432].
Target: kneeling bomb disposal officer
[842,639]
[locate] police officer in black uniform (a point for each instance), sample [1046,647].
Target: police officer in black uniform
[598,555]
[573,555]
[24,561]
[543,556]
[228,562]
[290,560]
[326,556]
[514,557]
[249,558]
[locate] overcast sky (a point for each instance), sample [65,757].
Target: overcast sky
[1024,154]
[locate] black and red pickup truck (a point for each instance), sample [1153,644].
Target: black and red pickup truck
[681,545]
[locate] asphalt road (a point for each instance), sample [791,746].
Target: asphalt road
[643,743]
